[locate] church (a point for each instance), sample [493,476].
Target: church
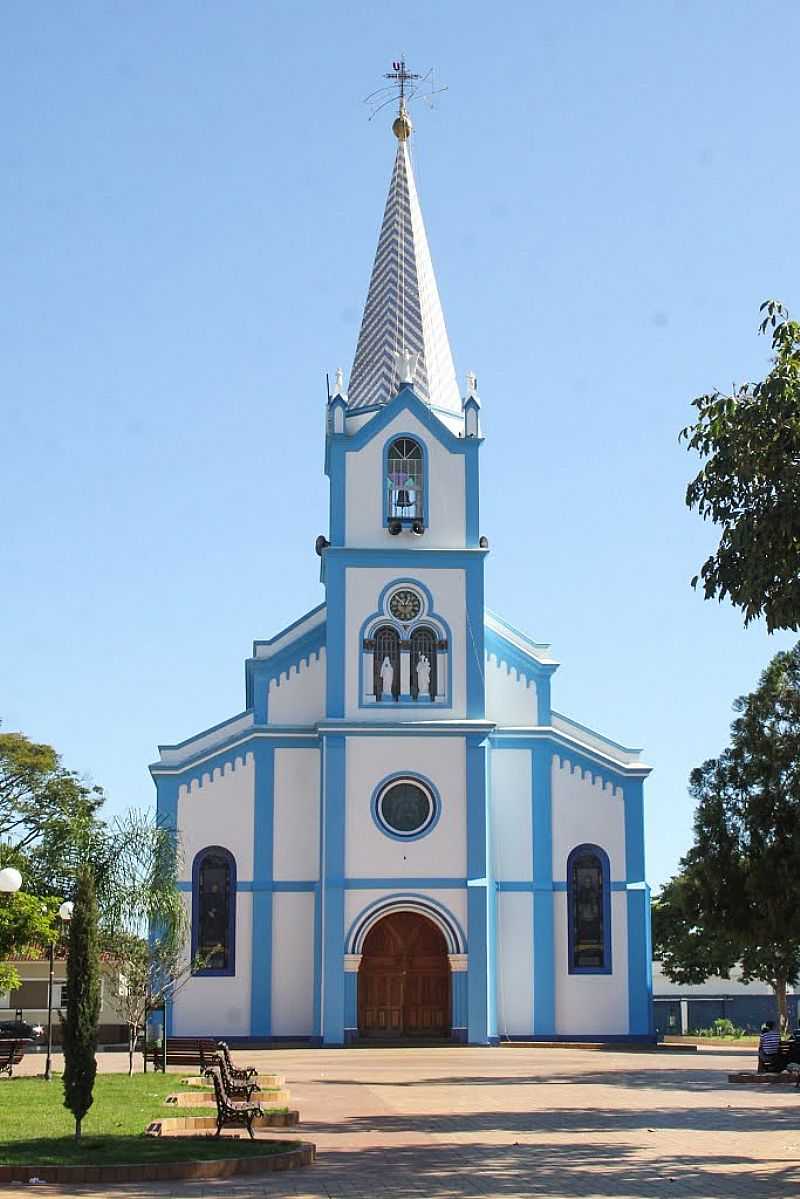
[400,836]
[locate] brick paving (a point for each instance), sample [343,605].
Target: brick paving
[453,1123]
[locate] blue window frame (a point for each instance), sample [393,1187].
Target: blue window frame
[214,912]
[405,480]
[589,910]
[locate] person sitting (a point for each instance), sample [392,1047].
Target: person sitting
[770,1058]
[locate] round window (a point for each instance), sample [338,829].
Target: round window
[406,808]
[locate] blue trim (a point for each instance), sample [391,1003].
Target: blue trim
[333,798]
[433,795]
[200,768]
[230,970]
[335,666]
[411,901]
[288,629]
[458,1002]
[350,1002]
[406,521]
[478,907]
[528,667]
[595,767]
[640,964]
[544,997]
[260,672]
[474,650]
[212,729]
[584,728]
[263,857]
[602,857]
[383,617]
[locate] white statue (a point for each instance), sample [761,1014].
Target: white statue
[406,361]
[472,383]
[339,382]
[423,675]
[387,676]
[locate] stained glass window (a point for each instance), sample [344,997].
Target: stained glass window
[215,900]
[587,911]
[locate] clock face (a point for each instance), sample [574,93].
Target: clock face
[405,605]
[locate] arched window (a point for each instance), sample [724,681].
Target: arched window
[386,663]
[214,912]
[405,480]
[589,911]
[423,663]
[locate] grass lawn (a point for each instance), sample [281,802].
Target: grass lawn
[36,1128]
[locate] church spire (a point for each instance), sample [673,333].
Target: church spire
[403,334]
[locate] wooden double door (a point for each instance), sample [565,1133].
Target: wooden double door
[404,979]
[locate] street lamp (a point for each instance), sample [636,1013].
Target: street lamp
[65,915]
[10,880]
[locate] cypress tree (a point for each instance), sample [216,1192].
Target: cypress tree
[83,1001]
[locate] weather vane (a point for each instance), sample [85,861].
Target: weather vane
[403,87]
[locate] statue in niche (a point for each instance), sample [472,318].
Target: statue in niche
[387,677]
[423,675]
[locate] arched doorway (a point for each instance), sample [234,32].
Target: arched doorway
[404,979]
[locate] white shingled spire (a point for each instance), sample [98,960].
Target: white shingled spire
[403,315]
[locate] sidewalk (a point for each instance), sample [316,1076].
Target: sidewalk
[455,1123]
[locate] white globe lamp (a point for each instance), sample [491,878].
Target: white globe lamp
[10,880]
[66,910]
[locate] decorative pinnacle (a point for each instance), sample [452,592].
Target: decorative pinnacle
[401,125]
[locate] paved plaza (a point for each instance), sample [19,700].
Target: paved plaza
[448,1123]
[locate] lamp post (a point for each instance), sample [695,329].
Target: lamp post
[10,880]
[65,915]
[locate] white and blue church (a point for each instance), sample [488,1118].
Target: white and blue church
[400,836]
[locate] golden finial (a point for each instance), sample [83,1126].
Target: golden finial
[401,125]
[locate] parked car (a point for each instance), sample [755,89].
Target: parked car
[19,1030]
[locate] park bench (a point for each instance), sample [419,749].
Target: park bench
[241,1073]
[231,1112]
[235,1088]
[182,1051]
[11,1054]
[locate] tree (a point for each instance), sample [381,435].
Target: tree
[83,1001]
[736,897]
[149,972]
[26,922]
[750,483]
[40,801]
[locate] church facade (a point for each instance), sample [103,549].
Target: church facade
[399,835]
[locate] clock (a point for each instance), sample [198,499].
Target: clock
[405,605]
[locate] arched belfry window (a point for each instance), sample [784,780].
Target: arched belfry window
[214,912]
[589,911]
[424,644]
[386,664]
[405,480]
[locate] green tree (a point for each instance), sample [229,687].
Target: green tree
[750,483]
[27,922]
[736,897]
[83,1001]
[149,972]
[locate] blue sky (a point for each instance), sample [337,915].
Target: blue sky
[190,201]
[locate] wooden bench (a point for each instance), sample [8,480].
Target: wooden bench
[11,1054]
[240,1073]
[182,1051]
[231,1112]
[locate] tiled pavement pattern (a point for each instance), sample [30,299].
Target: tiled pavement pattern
[456,1123]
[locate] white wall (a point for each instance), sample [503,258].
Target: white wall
[592,1003]
[510,795]
[292,964]
[299,696]
[365,490]
[370,853]
[219,1006]
[510,699]
[296,820]
[514,963]
[363,586]
[218,810]
[586,812]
